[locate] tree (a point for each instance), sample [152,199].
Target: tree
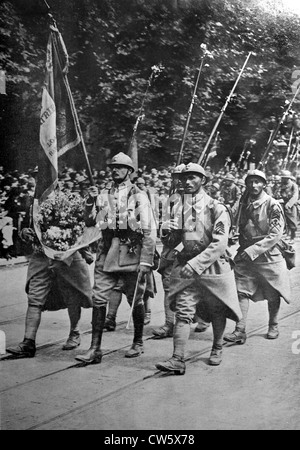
[112,46]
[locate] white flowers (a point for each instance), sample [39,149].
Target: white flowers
[61,220]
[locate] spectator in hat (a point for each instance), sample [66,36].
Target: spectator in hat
[7,242]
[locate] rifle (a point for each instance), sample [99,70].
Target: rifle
[275,132]
[191,106]
[288,154]
[156,70]
[239,163]
[203,155]
[295,154]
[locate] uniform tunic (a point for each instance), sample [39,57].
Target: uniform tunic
[290,196]
[261,227]
[204,237]
[123,212]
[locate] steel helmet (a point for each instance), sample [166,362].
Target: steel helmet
[256,173]
[240,182]
[195,168]
[178,169]
[286,174]
[140,181]
[122,160]
[229,177]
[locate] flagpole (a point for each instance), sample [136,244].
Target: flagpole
[203,155]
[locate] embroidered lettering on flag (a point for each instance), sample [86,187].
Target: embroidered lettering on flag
[48,128]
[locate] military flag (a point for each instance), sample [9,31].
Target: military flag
[58,129]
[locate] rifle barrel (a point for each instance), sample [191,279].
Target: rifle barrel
[203,155]
[180,155]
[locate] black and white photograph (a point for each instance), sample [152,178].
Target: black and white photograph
[149,218]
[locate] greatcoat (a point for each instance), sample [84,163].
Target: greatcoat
[261,226]
[204,235]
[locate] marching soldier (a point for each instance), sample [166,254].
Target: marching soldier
[202,273]
[276,188]
[167,259]
[125,253]
[290,195]
[229,191]
[260,270]
[68,286]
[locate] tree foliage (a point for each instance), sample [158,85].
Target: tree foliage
[112,46]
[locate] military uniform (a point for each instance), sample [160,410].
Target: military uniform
[204,236]
[53,285]
[167,259]
[230,193]
[125,216]
[289,193]
[264,274]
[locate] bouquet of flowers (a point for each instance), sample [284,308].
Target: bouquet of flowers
[61,220]
[60,226]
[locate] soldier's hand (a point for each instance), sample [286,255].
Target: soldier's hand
[93,192]
[187,272]
[28,235]
[170,225]
[234,239]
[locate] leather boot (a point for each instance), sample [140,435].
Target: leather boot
[147,318]
[163,332]
[25,349]
[174,365]
[113,306]
[94,354]
[73,341]
[137,348]
[215,356]
[237,337]
[273,332]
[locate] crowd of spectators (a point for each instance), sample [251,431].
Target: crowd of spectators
[17,192]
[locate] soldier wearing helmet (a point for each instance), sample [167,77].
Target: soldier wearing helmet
[229,190]
[276,188]
[125,252]
[168,255]
[214,191]
[202,229]
[260,269]
[289,194]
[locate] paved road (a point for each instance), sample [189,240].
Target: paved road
[256,387]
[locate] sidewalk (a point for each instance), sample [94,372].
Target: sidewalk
[12,262]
